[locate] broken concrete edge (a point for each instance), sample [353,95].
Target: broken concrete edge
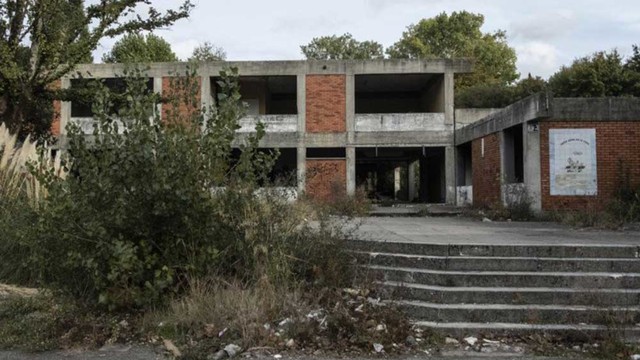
[544,106]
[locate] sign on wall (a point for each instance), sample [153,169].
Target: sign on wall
[573,166]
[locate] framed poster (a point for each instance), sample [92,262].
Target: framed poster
[572,162]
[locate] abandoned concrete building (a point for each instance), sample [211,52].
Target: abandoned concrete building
[390,128]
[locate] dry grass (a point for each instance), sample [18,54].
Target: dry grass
[211,308]
[15,158]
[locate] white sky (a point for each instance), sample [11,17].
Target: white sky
[546,34]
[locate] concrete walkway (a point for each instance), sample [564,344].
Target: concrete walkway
[459,230]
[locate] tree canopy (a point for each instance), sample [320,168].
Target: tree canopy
[136,48]
[459,36]
[54,36]
[343,47]
[208,52]
[600,74]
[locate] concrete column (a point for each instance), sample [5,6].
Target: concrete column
[411,180]
[350,89]
[206,98]
[397,181]
[351,171]
[301,99]
[448,98]
[301,169]
[65,107]
[532,178]
[157,88]
[503,164]
[450,174]
[424,182]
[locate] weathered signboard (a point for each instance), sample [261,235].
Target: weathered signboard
[573,165]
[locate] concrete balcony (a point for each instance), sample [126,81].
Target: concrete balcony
[273,123]
[398,122]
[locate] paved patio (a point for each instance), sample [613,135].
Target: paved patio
[460,230]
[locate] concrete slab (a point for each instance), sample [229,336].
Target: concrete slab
[458,230]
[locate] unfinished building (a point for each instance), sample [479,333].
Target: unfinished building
[384,126]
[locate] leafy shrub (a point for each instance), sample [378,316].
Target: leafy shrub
[153,205]
[141,214]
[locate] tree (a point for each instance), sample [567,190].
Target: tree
[600,74]
[459,36]
[136,48]
[54,36]
[343,47]
[208,52]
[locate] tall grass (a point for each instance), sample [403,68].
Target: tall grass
[15,160]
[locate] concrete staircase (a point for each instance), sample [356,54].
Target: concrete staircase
[510,289]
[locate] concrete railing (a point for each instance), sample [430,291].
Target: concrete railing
[400,122]
[273,123]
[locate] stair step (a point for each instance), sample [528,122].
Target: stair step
[524,314]
[583,280]
[461,329]
[511,295]
[519,250]
[500,263]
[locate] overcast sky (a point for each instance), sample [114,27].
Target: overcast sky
[546,34]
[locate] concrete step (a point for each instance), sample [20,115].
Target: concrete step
[580,280]
[575,331]
[520,314]
[511,295]
[530,251]
[486,263]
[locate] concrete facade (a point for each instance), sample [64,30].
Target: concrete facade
[319,109]
[519,145]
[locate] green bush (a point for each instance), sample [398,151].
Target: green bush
[151,205]
[141,213]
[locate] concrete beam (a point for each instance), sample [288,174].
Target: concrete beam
[403,138]
[534,107]
[331,140]
[274,68]
[270,140]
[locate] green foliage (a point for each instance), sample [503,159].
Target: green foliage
[343,47]
[141,216]
[598,75]
[140,49]
[484,96]
[459,35]
[41,41]
[208,52]
[497,95]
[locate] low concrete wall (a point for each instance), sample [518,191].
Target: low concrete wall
[514,194]
[86,124]
[464,195]
[400,122]
[273,123]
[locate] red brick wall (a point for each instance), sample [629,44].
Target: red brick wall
[486,171]
[175,91]
[326,103]
[619,140]
[326,179]
[57,108]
